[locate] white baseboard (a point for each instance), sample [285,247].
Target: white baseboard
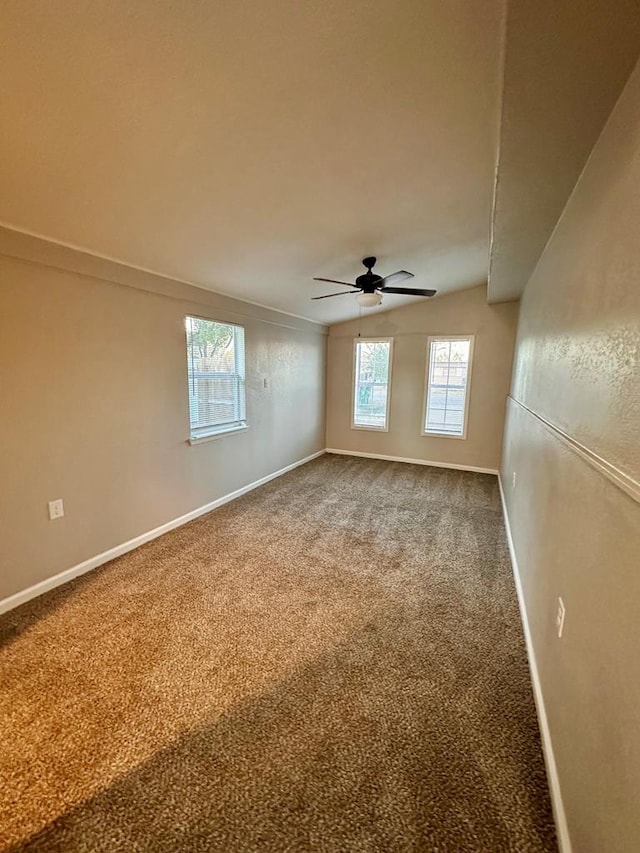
[562,829]
[413,461]
[93,562]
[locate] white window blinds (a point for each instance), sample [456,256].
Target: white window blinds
[448,384]
[215,357]
[372,364]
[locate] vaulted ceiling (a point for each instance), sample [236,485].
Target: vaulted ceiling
[247,146]
[565,64]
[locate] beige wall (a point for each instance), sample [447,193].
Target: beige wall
[576,533]
[461,313]
[95,406]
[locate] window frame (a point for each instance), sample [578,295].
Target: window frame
[211,433]
[387,418]
[465,417]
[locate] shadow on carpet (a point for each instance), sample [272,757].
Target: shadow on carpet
[357,752]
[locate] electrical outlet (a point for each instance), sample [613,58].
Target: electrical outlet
[56,509]
[513,480]
[265,382]
[560,617]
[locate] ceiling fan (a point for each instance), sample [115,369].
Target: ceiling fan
[369,286]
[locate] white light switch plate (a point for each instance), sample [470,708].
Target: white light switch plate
[56,509]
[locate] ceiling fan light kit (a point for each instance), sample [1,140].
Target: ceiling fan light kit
[368,300]
[370,286]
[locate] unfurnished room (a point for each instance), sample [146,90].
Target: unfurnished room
[320,435]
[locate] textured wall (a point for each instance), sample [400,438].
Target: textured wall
[576,534]
[462,313]
[94,392]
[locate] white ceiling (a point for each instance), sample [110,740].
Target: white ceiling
[247,146]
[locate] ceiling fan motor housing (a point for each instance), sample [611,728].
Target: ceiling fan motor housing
[368,281]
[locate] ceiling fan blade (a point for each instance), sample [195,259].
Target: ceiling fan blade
[333,281]
[395,278]
[342,293]
[407,291]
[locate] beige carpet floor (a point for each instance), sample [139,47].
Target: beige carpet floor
[333,662]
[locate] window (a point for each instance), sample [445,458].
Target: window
[448,382]
[372,367]
[215,357]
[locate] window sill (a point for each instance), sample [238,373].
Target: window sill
[213,436]
[443,435]
[370,428]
